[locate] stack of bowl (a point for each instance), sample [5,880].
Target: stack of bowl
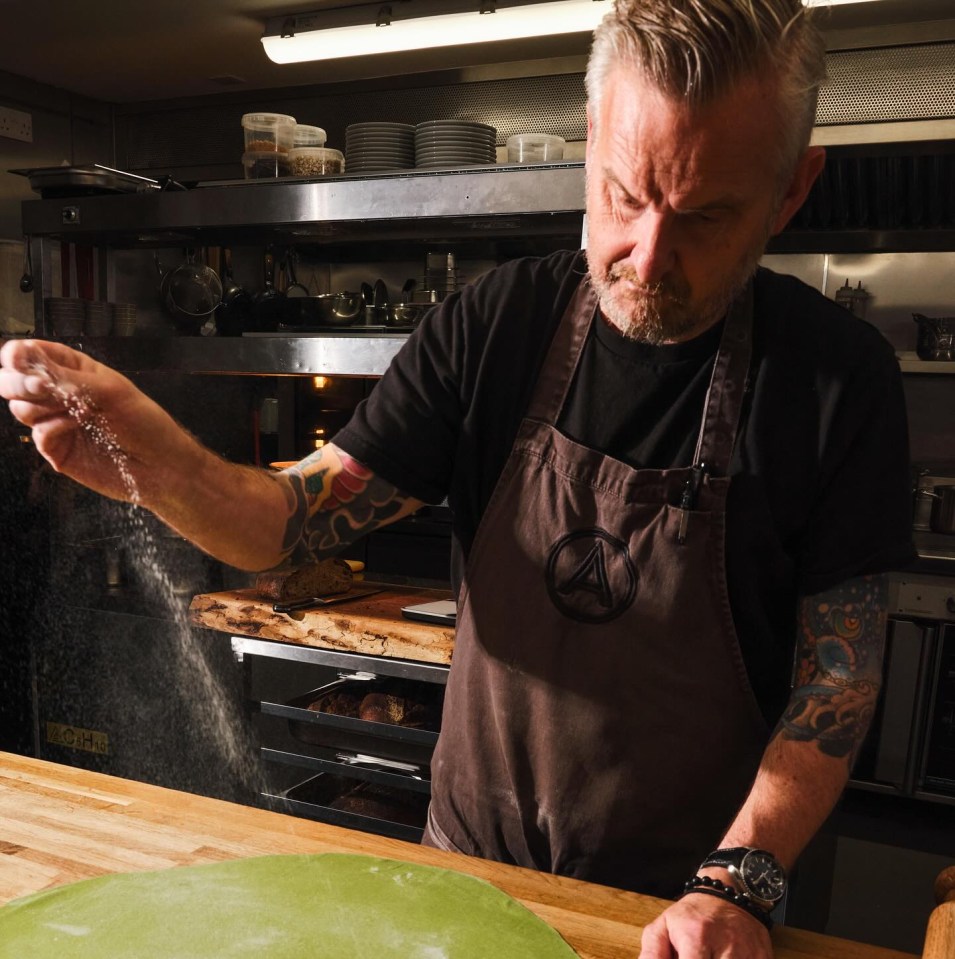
[124,319]
[65,315]
[99,318]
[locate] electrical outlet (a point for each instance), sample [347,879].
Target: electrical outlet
[16,125]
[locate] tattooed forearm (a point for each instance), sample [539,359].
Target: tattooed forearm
[335,501]
[839,670]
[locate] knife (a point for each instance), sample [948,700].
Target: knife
[318,602]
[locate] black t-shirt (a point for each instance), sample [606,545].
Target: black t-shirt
[820,474]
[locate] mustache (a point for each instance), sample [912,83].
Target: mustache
[667,290]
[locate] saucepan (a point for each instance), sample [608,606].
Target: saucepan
[936,337]
[326,309]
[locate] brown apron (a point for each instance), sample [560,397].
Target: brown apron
[599,721]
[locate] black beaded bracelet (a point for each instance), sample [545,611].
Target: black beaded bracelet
[709,886]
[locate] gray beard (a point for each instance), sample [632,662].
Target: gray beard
[663,312]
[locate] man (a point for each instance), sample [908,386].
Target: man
[667,477]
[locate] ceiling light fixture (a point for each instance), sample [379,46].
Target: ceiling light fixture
[420,24]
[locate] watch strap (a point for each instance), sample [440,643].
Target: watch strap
[730,856]
[713,887]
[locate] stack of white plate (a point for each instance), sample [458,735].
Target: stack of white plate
[454,143]
[373,147]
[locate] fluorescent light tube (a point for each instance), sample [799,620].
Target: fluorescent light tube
[444,30]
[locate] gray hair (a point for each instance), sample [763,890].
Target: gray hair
[698,49]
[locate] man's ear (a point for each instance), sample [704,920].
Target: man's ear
[590,133]
[809,167]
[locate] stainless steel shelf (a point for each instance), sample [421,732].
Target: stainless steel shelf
[326,354]
[474,201]
[912,363]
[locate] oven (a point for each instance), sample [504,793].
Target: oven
[910,748]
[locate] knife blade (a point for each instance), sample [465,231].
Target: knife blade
[319,602]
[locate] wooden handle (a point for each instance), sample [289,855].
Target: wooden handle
[945,885]
[940,933]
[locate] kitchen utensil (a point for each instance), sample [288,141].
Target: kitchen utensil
[193,288]
[326,309]
[232,318]
[404,314]
[268,304]
[292,287]
[26,281]
[936,337]
[317,602]
[63,181]
[943,509]
[381,297]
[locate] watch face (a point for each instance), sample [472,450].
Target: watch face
[764,877]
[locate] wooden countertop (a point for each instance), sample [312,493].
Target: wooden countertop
[59,824]
[372,625]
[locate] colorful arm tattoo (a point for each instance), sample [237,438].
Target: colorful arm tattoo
[839,668]
[333,504]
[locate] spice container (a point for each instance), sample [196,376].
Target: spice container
[316,161]
[307,136]
[268,132]
[534,148]
[261,164]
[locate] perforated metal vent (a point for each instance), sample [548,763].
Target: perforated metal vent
[889,83]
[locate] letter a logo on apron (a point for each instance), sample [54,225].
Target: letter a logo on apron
[590,577]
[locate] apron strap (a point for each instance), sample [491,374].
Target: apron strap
[724,398]
[723,408]
[560,365]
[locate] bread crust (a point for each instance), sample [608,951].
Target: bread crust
[325,578]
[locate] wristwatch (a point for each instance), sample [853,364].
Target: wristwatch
[758,872]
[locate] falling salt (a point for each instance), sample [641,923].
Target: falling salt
[197,682]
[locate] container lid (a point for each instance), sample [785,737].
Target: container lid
[307,136]
[266,120]
[528,138]
[321,153]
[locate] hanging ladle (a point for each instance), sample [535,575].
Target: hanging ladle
[26,281]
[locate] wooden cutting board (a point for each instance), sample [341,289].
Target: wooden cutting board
[371,625]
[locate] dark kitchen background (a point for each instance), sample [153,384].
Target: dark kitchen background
[101,671]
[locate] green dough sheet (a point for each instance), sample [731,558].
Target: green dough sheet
[278,907]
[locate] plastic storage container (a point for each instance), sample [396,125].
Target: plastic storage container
[315,161]
[261,164]
[534,148]
[268,132]
[306,136]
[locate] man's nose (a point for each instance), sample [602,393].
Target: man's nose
[653,254]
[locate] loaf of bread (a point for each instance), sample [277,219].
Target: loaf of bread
[337,703]
[397,710]
[325,578]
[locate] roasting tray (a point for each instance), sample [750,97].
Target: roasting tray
[89,180]
[312,797]
[387,741]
